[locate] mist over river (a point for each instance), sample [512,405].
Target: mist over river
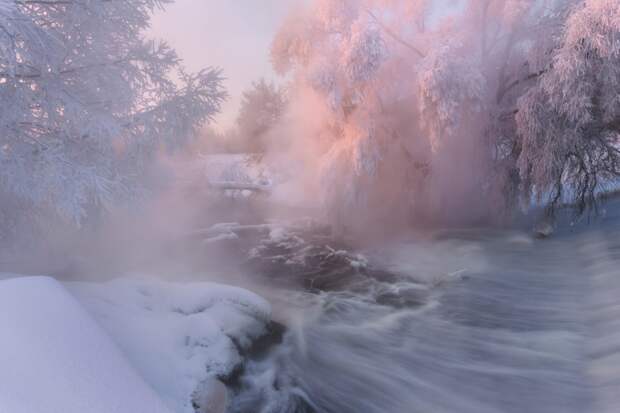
[458,321]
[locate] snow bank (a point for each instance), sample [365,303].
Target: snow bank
[55,359]
[177,335]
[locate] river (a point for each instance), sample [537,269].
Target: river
[458,321]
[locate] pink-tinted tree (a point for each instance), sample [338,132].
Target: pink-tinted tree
[455,116]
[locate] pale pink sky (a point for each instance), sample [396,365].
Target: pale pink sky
[232,34]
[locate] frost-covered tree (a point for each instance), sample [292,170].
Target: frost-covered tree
[87,101]
[261,107]
[457,115]
[569,120]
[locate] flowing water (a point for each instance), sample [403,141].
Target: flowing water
[461,322]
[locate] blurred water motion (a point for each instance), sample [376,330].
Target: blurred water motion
[498,322]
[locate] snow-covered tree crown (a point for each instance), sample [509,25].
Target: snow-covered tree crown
[88,101]
[261,107]
[459,113]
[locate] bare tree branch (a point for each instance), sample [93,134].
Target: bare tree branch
[395,36]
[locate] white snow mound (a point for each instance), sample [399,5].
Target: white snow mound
[177,335]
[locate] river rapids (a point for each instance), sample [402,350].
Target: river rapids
[461,321]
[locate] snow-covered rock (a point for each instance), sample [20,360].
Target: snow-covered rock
[54,358]
[178,336]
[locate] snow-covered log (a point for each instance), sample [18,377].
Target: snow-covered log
[240,186]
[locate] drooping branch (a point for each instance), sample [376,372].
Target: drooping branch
[395,36]
[128,59]
[502,91]
[38,74]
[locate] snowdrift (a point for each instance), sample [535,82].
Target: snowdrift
[56,359]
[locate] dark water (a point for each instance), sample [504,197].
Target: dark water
[463,322]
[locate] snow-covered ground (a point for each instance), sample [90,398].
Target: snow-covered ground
[54,357]
[165,344]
